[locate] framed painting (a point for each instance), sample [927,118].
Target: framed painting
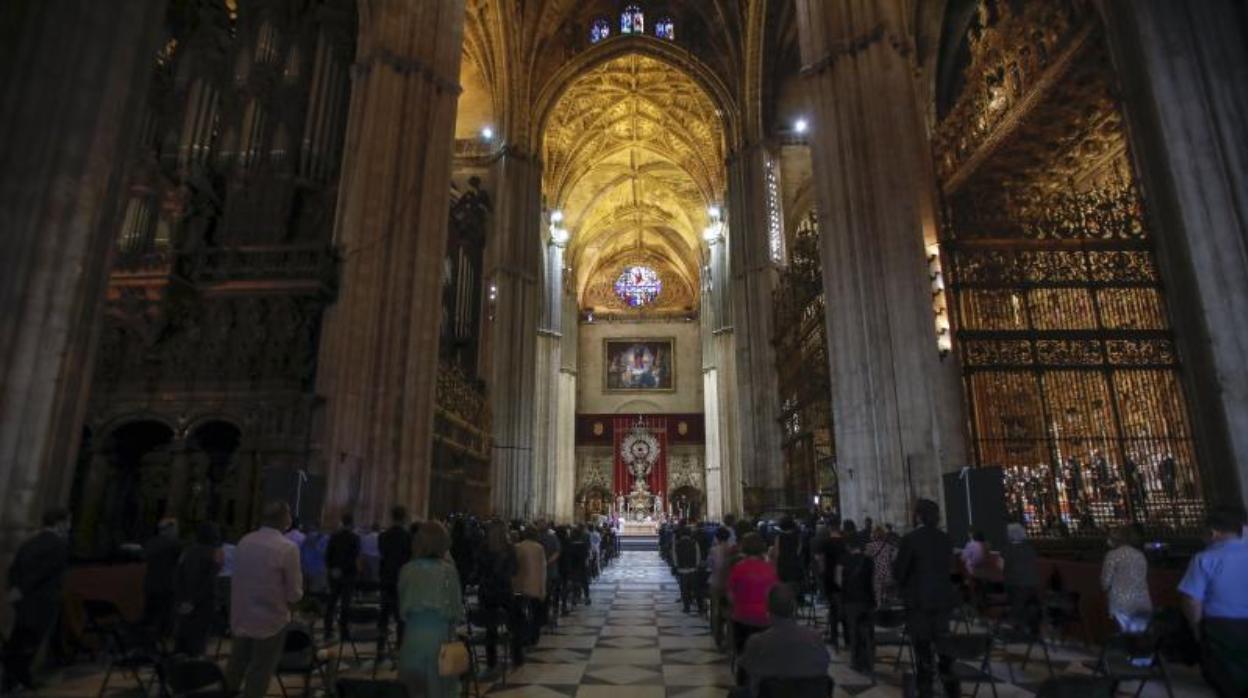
[639,365]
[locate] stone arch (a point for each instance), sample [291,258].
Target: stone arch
[659,49]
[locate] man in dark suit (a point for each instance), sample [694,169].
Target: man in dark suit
[342,559]
[922,571]
[395,544]
[786,650]
[161,553]
[35,580]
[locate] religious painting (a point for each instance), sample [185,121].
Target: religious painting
[639,365]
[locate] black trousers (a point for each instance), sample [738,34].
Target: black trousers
[158,612]
[927,629]
[859,636]
[389,609]
[1224,655]
[340,592]
[32,624]
[191,635]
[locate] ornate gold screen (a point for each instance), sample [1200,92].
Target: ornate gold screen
[1071,375]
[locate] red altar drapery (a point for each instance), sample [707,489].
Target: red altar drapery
[657,425]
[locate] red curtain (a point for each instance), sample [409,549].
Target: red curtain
[657,425]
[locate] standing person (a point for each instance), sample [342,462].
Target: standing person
[749,583]
[529,584]
[395,547]
[577,552]
[922,572]
[883,552]
[1022,578]
[432,604]
[370,553]
[829,560]
[688,558]
[342,558]
[296,533]
[495,568]
[312,557]
[35,580]
[267,580]
[161,552]
[595,553]
[195,588]
[717,564]
[787,553]
[1124,577]
[858,600]
[1215,601]
[550,543]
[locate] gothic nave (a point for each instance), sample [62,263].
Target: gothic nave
[625,262]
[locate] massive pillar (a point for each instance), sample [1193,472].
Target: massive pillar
[547,386]
[73,83]
[719,384]
[1183,67]
[379,348]
[514,271]
[754,279]
[891,394]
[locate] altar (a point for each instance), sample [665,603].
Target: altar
[639,528]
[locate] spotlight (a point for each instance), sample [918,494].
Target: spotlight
[487,133]
[800,126]
[711,234]
[713,212]
[556,216]
[559,236]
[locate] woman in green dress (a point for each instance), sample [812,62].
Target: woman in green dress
[432,605]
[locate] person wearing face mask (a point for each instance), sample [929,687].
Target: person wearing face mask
[35,580]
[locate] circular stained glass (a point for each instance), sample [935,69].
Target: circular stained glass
[638,286]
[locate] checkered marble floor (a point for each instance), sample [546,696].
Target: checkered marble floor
[634,641]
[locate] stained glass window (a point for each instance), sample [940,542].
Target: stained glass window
[775,220]
[665,28]
[599,30]
[638,286]
[633,20]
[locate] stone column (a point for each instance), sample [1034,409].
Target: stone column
[873,174]
[513,268]
[723,473]
[546,397]
[73,82]
[753,280]
[379,347]
[1183,68]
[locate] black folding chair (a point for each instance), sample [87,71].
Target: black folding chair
[890,631]
[131,648]
[1134,657]
[972,656]
[363,627]
[197,678]
[476,627]
[1022,631]
[365,688]
[804,687]
[1061,610]
[301,657]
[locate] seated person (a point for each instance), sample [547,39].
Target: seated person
[786,650]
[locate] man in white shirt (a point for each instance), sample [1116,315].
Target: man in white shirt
[267,579]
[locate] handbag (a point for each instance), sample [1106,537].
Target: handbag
[452,659]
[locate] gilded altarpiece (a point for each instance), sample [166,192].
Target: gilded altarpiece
[1060,317]
[803,370]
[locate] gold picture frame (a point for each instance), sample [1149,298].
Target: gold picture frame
[639,364]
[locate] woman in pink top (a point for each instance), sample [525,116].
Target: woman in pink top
[749,582]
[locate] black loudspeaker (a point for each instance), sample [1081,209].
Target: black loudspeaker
[975,501]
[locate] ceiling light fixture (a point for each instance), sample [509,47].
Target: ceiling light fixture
[487,133]
[800,126]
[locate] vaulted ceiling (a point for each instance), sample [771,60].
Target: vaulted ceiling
[634,155]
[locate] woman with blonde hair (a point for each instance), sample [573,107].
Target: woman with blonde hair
[432,605]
